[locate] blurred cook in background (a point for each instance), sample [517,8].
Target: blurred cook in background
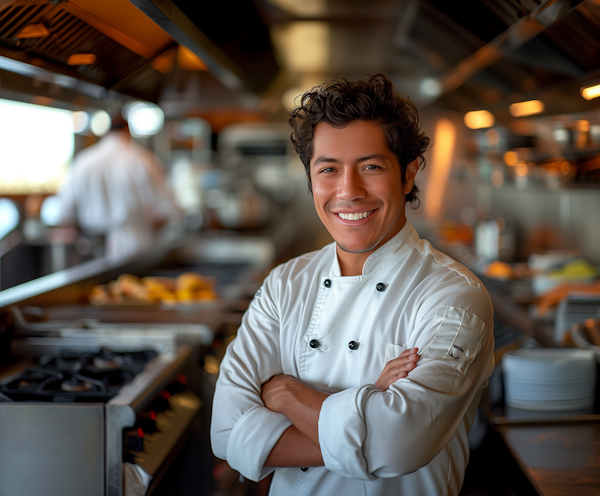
[117,188]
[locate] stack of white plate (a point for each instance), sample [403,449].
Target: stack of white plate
[549,379]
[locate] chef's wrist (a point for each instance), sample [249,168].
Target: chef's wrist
[286,399]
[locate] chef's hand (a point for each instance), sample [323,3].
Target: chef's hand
[397,368]
[282,392]
[275,389]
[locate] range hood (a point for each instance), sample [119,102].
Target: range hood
[230,37]
[126,39]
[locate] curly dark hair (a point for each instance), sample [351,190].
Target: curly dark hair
[339,102]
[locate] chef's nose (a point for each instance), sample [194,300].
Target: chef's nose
[351,185]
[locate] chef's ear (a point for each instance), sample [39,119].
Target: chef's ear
[410,175]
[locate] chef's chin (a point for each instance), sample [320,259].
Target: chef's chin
[348,249]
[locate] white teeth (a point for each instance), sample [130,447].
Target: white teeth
[356,216]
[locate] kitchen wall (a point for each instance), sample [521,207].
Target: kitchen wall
[547,219]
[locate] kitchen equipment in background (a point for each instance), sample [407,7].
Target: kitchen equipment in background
[586,335]
[573,309]
[577,271]
[237,204]
[550,259]
[92,404]
[186,147]
[547,379]
[495,240]
[253,179]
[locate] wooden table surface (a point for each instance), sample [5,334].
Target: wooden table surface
[558,459]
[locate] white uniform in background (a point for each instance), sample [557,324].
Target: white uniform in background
[117,188]
[410,440]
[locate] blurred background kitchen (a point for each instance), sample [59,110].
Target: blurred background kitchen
[507,89]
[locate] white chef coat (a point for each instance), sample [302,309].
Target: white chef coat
[411,439]
[117,188]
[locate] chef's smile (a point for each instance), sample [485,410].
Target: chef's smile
[356,216]
[357,187]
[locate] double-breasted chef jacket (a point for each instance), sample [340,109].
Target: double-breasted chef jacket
[337,333]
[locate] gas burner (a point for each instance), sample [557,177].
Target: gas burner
[72,377]
[104,363]
[75,385]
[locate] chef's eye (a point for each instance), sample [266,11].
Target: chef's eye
[327,169]
[372,167]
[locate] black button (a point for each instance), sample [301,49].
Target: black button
[327,283]
[353,345]
[380,287]
[304,469]
[314,343]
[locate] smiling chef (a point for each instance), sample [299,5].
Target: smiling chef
[358,368]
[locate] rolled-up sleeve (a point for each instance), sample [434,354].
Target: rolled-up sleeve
[366,434]
[243,430]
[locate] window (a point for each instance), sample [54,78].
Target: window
[36,146]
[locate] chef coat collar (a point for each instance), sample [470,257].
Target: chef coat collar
[384,255]
[115,137]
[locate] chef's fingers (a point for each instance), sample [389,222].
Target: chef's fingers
[397,368]
[396,364]
[394,373]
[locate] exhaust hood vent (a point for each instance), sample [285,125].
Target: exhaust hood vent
[116,67]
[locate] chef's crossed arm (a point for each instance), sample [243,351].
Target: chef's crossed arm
[301,403]
[364,432]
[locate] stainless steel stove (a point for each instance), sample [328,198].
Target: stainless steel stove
[96,412]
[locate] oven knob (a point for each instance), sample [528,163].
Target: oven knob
[147,422]
[178,386]
[135,440]
[161,403]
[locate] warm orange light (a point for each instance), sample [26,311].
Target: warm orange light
[521,169]
[188,60]
[163,63]
[443,151]
[81,59]
[479,119]
[511,158]
[42,100]
[33,31]
[583,125]
[591,92]
[523,109]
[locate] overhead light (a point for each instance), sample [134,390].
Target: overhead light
[305,45]
[289,98]
[521,169]
[479,119]
[81,59]
[100,123]
[430,87]
[303,9]
[591,92]
[188,60]
[511,158]
[145,119]
[81,121]
[33,31]
[583,125]
[523,109]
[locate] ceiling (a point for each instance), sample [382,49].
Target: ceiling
[472,54]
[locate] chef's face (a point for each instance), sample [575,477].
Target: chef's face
[357,185]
